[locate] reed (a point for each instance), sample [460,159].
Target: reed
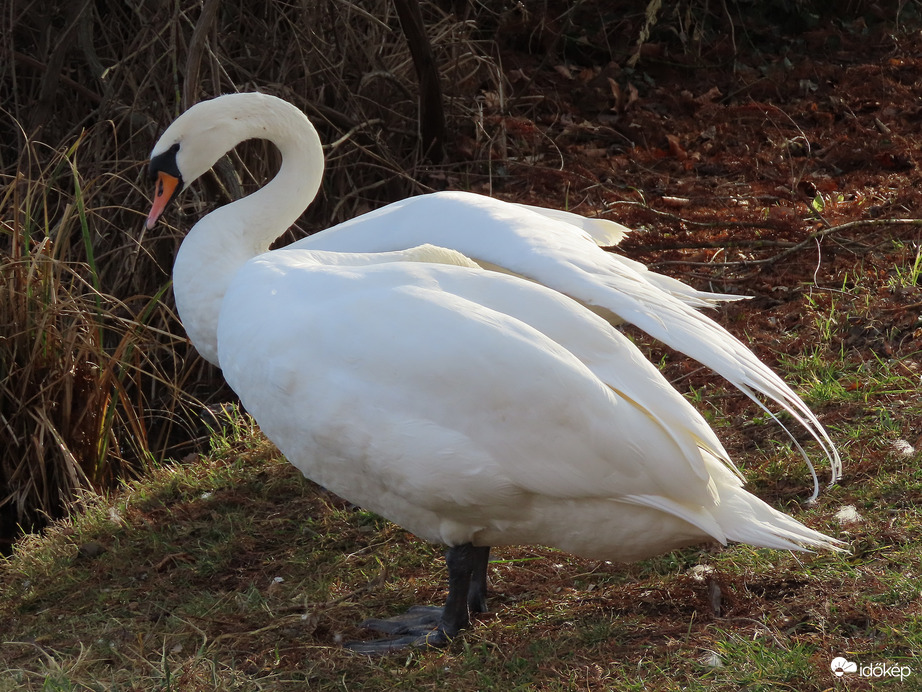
[79,368]
[96,375]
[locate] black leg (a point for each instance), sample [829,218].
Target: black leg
[455,615]
[423,626]
[477,593]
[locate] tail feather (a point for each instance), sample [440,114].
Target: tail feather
[747,519]
[681,327]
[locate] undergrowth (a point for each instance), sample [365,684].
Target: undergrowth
[96,375]
[236,573]
[82,370]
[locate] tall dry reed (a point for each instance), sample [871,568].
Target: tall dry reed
[96,376]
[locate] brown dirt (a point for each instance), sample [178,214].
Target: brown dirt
[716,159]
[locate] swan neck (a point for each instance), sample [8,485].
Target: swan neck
[259,218]
[224,240]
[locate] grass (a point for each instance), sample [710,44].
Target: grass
[234,572]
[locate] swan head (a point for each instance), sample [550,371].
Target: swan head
[192,144]
[164,172]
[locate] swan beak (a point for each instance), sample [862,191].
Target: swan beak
[167,186]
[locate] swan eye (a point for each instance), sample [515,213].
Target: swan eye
[164,162]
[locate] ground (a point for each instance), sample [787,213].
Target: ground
[777,169]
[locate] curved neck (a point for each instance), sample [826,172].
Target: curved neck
[261,217]
[224,240]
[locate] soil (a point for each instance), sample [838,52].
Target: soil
[784,168]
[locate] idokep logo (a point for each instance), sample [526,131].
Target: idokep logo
[840,666]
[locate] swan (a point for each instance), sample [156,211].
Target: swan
[450,363]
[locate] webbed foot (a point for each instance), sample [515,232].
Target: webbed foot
[425,626]
[419,627]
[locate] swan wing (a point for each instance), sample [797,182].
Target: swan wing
[685,293]
[537,246]
[605,233]
[602,232]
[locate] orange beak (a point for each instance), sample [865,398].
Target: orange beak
[167,185]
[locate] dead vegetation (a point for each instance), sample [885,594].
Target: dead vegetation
[750,156]
[86,89]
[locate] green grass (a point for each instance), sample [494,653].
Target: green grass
[231,572]
[234,573]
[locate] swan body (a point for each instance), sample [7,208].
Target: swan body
[550,248]
[472,407]
[449,362]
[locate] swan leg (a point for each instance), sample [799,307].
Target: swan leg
[477,592]
[423,626]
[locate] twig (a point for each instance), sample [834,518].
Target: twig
[911,306]
[196,50]
[790,248]
[55,67]
[699,224]
[755,243]
[332,146]
[816,235]
[431,110]
[29,61]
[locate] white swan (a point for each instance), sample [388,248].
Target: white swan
[473,407]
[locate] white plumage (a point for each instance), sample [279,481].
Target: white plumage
[449,362]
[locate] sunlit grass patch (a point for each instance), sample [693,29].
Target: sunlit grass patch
[233,572]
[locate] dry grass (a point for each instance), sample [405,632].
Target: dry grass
[96,373]
[82,370]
